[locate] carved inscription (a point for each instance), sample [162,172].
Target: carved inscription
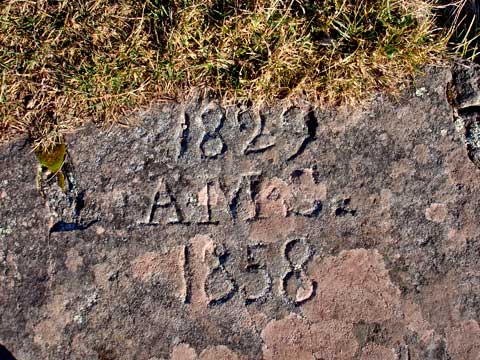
[300,125]
[257,282]
[163,209]
[296,286]
[252,197]
[261,140]
[308,192]
[213,271]
[242,200]
[255,132]
[208,280]
[211,142]
[219,285]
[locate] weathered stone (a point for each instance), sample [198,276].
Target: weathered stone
[210,232]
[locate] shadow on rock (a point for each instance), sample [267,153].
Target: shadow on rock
[5,354]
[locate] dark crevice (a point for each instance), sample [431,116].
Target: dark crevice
[184,136]
[79,202]
[471,117]
[5,354]
[461,94]
[62,226]
[344,209]
[470,110]
[188,273]
[296,174]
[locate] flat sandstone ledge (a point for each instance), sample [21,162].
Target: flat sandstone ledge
[228,233]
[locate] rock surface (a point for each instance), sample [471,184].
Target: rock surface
[241,233]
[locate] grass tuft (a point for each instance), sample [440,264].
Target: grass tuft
[66,62]
[462,18]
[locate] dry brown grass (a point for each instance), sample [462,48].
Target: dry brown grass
[462,18]
[66,62]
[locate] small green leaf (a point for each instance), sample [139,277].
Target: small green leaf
[52,158]
[390,50]
[61,182]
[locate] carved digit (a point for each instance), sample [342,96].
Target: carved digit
[219,285]
[296,286]
[211,143]
[299,125]
[259,141]
[259,280]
